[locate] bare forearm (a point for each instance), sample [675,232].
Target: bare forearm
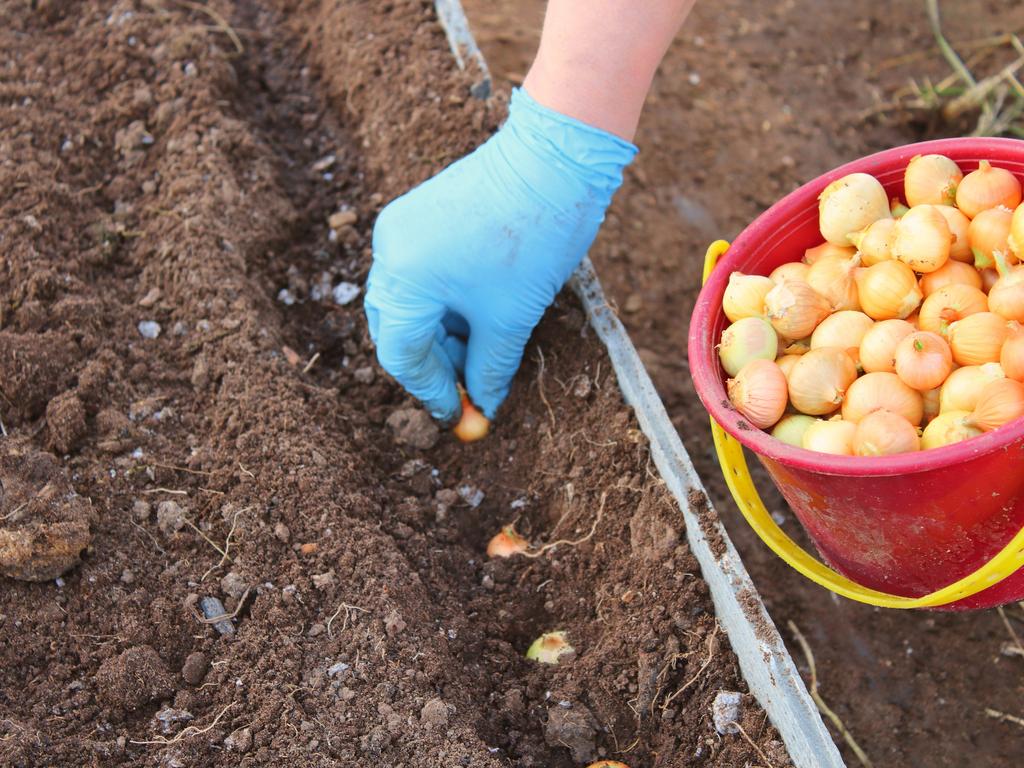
[597,58]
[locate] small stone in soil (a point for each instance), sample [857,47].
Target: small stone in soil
[574,728]
[239,741]
[726,710]
[193,671]
[282,532]
[149,329]
[233,585]
[394,624]
[323,580]
[168,716]
[364,375]
[342,219]
[170,517]
[286,297]
[434,714]
[344,293]
[471,495]
[212,607]
[413,427]
[150,299]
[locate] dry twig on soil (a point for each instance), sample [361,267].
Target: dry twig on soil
[995,714]
[822,706]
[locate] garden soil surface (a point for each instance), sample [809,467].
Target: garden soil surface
[752,100]
[226,537]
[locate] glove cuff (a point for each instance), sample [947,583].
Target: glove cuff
[582,153]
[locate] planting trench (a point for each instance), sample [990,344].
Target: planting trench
[169,167]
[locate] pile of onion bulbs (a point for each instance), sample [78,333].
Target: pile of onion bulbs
[902,331]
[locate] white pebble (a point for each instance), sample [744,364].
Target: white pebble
[726,711]
[286,297]
[345,292]
[149,329]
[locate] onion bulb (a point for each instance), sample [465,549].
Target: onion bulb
[922,240]
[882,391]
[986,188]
[843,329]
[1006,296]
[949,273]
[819,380]
[931,180]
[607,764]
[795,309]
[507,543]
[878,346]
[960,248]
[949,304]
[832,277]
[1016,239]
[883,433]
[923,360]
[791,428]
[792,270]
[786,363]
[744,296]
[811,255]
[874,243]
[948,428]
[1011,357]
[887,290]
[848,205]
[834,436]
[751,338]
[999,403]
[473,425]
[989,234]
[977,339]
[931,403]
[549,648]
[759,392]
[961,389]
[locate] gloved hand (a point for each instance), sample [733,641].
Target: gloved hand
[481,250]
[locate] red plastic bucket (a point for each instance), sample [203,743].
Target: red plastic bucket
[908,524]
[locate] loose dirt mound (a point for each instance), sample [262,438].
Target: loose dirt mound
[179,325]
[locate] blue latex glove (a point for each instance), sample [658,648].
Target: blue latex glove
[479,251]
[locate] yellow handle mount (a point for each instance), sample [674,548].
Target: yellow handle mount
[737,477]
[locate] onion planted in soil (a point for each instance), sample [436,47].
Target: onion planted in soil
[978,338]
[987,187]
[549,648]
[848,205]
[962,388]
[795,309]
[888,290]
[922,240]
[791,428]
[999,403]
[883,433]
[834,436]
[923,360]
[878,347]
[819,380]
[882,391]
[931,180]
[759,392]
[507,543]
[751,338]
[744,296]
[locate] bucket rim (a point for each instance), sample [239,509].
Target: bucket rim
[705,367]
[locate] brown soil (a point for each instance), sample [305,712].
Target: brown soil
[272,572]
[750,102]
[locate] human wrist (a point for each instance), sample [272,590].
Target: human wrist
[564,160]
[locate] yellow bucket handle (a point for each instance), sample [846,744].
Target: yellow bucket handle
[737,477]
